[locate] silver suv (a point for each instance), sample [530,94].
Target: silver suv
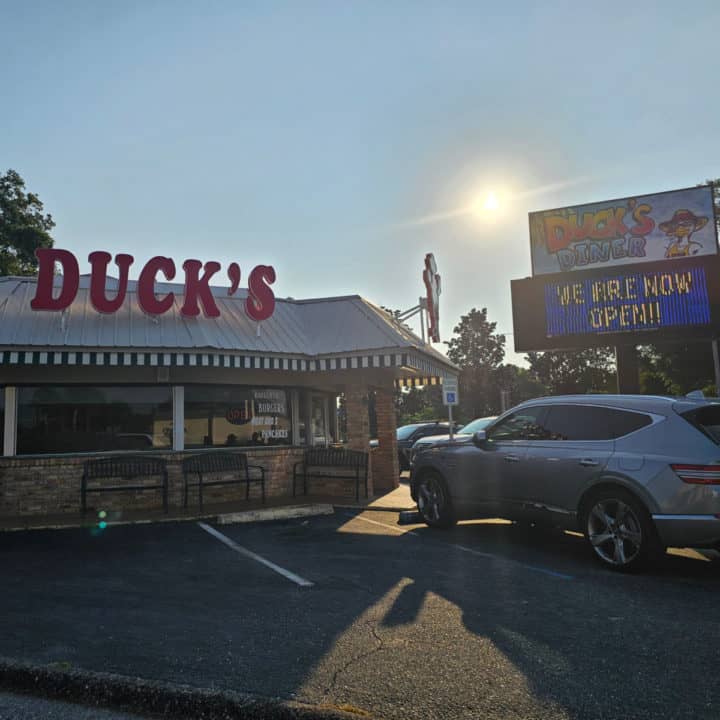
[634,473]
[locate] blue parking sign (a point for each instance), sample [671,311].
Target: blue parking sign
[450,397]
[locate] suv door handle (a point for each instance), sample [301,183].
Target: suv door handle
[512,458]
[588,462]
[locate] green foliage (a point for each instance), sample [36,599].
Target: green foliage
[574,371]
[23,226]
[421,404]
[479,351]
[520,383]
[676,369]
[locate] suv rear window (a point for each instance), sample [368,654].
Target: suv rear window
[706,419]
[590,422]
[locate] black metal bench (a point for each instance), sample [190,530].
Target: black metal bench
[126,467]
[346,465]
[214,463]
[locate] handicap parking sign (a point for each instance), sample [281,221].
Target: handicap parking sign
[450,390]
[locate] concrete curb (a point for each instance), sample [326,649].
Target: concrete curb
[155,698]
[279,513]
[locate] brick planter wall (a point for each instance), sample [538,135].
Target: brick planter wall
[37,486]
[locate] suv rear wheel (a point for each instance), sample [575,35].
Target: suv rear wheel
[619,530]
[433,500]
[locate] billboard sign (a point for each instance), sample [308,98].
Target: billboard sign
[639,304]
[645,228]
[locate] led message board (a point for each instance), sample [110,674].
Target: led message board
[640,304]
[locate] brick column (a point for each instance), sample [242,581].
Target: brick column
[358,420]
[358,425]
[386,466]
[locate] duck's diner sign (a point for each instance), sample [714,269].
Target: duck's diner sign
[197,296]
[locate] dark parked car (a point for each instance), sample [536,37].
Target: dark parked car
[465,434]
[407,435]
[634,474]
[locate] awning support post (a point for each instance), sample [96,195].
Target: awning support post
[178,410]
[10,422]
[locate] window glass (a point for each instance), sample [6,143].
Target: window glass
[404,433]
[2,419]
[579,422]
[520,425]
[624,422]
[302,416]
[475,425]
[67,419]
[218,416]
[706,419]
[318,419]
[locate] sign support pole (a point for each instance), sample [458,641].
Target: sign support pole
[450,422]
[716,365]
[628,369]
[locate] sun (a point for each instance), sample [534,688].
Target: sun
[491,202]
[486,205]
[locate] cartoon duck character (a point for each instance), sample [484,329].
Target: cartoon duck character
[680,228]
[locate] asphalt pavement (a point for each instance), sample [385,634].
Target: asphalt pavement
[25,707]
[355,611]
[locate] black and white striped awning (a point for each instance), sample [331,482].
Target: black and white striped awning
[420,371]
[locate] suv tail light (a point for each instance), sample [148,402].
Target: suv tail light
[698,474]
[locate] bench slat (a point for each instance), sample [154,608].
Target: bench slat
[127,467]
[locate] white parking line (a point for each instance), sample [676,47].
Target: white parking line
[472,551]
[385,525]
[302,582]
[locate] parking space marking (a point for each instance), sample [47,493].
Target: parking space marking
[472,551]
[385,525]
[302,582]
[534,568]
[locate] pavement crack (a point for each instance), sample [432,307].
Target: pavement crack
[357,657]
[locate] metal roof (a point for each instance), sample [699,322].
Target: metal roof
[324,327]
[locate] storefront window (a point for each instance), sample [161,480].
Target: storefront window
[2,419]
[303,414]
[221,416]
[93,419]
[318,416]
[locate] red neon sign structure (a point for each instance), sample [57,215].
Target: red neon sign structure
[433,288]
[198,297]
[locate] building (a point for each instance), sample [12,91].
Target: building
[79,383]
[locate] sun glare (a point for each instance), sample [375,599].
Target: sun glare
[491,202]
[486,206]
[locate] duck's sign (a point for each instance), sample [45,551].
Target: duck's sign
[640,229]
[56,292]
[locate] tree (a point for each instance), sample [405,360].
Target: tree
[676,369]
[574,371]
[420,404]
[23,226]
[479,351]
[520,384]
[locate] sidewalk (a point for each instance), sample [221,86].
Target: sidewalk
[277,508]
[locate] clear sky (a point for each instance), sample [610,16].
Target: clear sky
[341,141]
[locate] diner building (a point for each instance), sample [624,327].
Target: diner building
[80,383]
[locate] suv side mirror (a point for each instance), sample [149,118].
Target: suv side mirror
[480,438]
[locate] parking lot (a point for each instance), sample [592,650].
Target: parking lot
[485,620]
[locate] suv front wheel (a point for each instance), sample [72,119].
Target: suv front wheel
[433,500]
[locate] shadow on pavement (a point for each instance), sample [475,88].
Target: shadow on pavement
[408,626]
